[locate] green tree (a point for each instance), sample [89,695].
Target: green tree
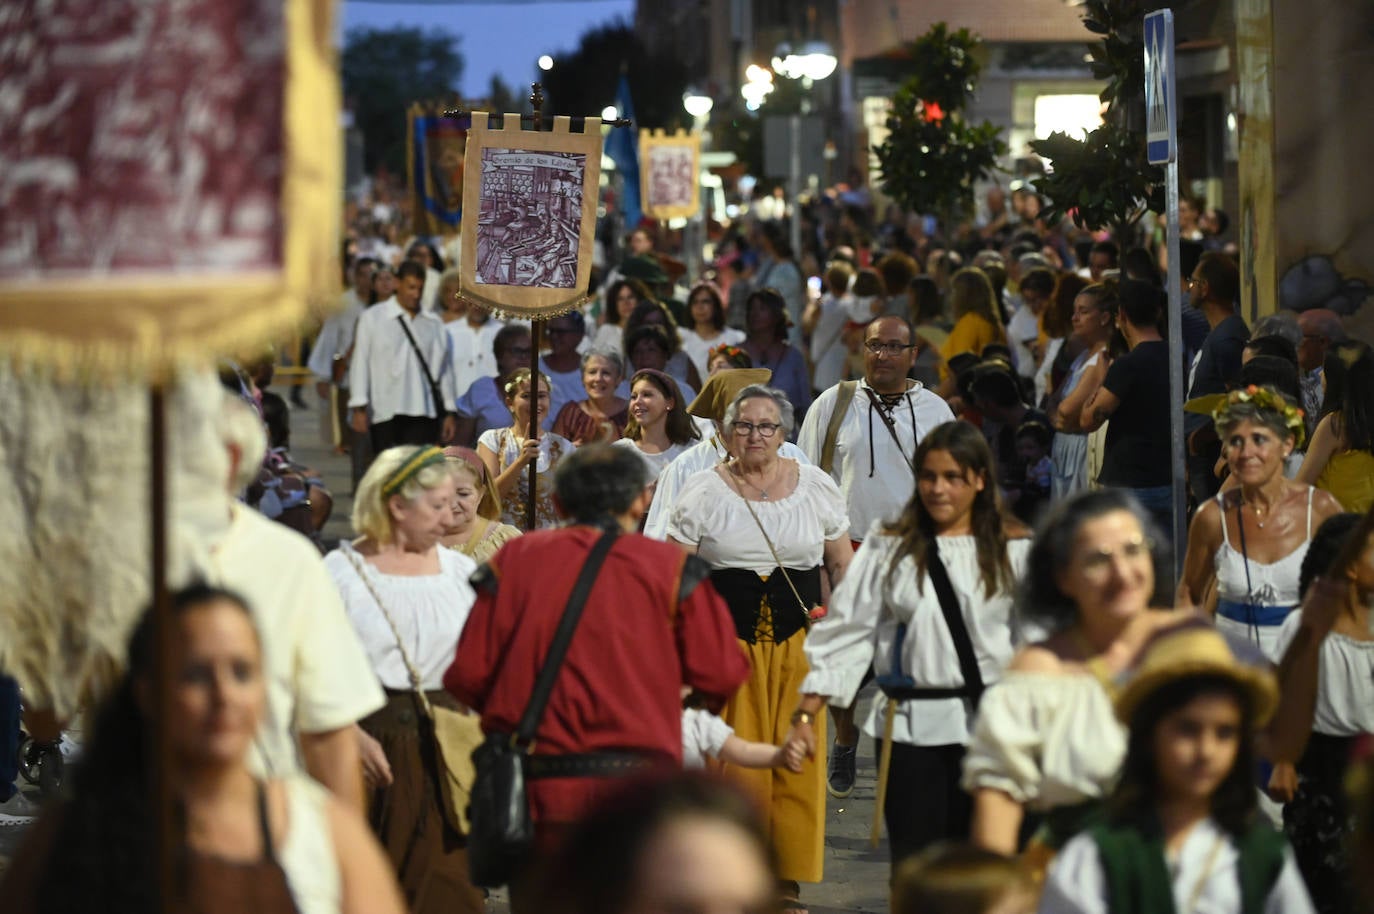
[933,154]
[503,98]
[384,70]
[1105,179]
[584,81]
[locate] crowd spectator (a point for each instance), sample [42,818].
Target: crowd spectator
[508,453]
[622,297]
[1213,289]
[1094,323]
[1340,459]
[602,415]
[977,321]
[562,363]
[766,341]
[483,406]
[477,531]
[659,428]
[706,310]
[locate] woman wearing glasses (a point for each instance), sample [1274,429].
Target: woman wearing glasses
[766,524]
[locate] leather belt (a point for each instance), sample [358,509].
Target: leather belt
[588,765]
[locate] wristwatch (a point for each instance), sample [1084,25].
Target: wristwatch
[803,717]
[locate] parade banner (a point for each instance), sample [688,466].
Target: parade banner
[668,171]
[170,180]
[434,169]
[528,252]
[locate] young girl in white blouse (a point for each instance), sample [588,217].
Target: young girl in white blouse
[1182,831]
[890,611]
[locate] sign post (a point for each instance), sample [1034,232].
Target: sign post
[1161,137]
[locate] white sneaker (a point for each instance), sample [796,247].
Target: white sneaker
[7,820]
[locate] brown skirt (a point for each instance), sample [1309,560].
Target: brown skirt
[431,859]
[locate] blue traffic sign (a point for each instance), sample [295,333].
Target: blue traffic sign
[1161,108]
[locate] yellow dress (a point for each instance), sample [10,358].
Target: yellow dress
[1349,475]
[493,537]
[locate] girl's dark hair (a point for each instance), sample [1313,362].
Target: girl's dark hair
[1274,372]
[771,299]
[717,306]
[927,304]
[640,290]
[915,529]
[1059,314]
[1052,550]
[658,335]
[1326,545]
[637,318]
[678,425]
[596,870]
[1357,399]
[1139,263]
[104,853]
[1137,792]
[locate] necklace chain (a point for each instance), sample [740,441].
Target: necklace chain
[760,489]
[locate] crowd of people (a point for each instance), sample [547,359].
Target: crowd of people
[943,467]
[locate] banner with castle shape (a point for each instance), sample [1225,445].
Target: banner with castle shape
[668,174]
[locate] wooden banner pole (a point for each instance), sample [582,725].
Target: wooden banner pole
[164,644]
[536,343]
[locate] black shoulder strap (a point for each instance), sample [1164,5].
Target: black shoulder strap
[543,686]
[876,406]
[424,366]
[954,618]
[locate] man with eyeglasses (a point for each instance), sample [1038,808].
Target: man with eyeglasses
[868,449]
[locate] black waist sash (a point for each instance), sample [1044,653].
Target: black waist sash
[744,592]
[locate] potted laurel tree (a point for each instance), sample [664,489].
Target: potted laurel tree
[933,155]
[1105,180]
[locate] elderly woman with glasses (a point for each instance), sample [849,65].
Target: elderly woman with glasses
[766,525]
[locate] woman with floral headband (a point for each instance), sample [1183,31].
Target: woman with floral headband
[725,357]
[1247,544]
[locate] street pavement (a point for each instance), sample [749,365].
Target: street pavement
[856,875]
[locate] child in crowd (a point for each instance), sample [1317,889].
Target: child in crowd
[953,878]
[705,735]
[1182,830]
[1033,440]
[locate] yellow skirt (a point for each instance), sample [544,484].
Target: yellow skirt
[761,711]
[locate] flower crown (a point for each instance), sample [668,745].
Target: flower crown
[1266,398]
[726,350]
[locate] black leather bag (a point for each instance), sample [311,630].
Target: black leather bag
[500,830]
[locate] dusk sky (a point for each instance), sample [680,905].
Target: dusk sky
[496,37]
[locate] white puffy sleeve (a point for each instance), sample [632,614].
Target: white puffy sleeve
[1004,752]
[828,502]
[689,519]
[1076,883]
[839,648]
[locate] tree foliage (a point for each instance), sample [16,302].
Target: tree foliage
[933,154]
[384,70]
[1105,180]
[583,81]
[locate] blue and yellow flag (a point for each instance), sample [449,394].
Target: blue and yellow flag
[434,164]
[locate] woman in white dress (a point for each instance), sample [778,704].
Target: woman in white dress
[659,428]
[1326,704]
[507,452]
[408,599]
[708,330]
[889,613]
[766,525]
[1183,830]
[1094,320]
[1046,739]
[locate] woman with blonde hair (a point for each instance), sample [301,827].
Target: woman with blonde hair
[977,321]
[408,599]
[477,531]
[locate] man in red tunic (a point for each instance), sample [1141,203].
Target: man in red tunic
[652,625]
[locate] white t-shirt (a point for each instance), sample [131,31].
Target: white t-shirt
[1023,326]
[429,611]
[872,470]
[711,515]
[703,736]
[318,675]
[869,608]
[828,352]
[472,353]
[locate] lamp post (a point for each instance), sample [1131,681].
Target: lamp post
[698,105]
[812,62]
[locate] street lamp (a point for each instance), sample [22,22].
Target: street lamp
[758,83]
[610,113]
[545,62]
[814,60]
[697,104]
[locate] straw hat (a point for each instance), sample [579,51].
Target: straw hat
[721,388]
[1196,649]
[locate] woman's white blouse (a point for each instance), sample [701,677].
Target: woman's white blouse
[1045,739]
[711,515]
[656,462]
[1077,884]
[429,611]
[870,605]
[1345,680]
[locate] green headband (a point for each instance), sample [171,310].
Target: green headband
[428,457]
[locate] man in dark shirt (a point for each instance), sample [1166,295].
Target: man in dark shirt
[1213,288]
[1134,396]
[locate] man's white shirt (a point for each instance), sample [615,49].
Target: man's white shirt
[473,356]
[869,467]
[336,336]
[386,376]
